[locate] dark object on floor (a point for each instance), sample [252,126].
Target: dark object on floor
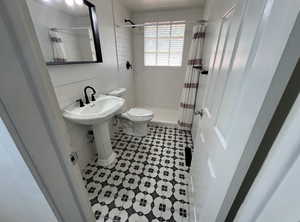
[188,156]
[128,65]
[204,72]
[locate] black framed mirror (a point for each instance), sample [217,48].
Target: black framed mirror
[67,31]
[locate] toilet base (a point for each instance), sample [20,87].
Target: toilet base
[135,128]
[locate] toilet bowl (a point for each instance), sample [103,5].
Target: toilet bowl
[135,120]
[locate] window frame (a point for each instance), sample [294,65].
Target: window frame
[157,24]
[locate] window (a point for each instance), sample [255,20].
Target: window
[163,43]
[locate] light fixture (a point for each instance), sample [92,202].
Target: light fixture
[79,2]
[69,2]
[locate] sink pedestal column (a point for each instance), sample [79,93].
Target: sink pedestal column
[103,144]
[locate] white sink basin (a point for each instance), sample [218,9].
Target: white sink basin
[96,112]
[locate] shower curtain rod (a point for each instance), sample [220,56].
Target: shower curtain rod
[69,28]
[204,22]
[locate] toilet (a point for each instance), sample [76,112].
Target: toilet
[134,121]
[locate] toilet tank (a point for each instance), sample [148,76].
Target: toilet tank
[120,92]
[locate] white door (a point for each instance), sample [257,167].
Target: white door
[211,101]
[272,195]
[211,171]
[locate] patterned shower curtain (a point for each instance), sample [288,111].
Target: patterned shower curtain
[188,95]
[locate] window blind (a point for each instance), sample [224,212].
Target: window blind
[163,43]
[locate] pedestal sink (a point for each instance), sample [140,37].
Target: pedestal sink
[97,114]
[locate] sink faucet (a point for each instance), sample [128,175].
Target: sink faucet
[87,101]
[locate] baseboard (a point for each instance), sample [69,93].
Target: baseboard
[166,124]
[193,209]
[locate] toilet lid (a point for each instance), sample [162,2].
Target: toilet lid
[139,112]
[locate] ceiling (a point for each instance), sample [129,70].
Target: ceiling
[75,10]
[150,5]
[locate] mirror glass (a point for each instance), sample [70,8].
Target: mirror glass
[65,31]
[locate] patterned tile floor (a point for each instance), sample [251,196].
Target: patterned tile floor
[147,182]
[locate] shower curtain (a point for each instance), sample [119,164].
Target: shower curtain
[188,95]
[59,54]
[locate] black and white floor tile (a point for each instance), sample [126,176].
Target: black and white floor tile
[147,182]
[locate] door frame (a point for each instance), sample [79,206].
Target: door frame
[30,111]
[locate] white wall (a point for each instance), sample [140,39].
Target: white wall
[123,35]
[160,86]
[124,47]
[70,80]
[21,198]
